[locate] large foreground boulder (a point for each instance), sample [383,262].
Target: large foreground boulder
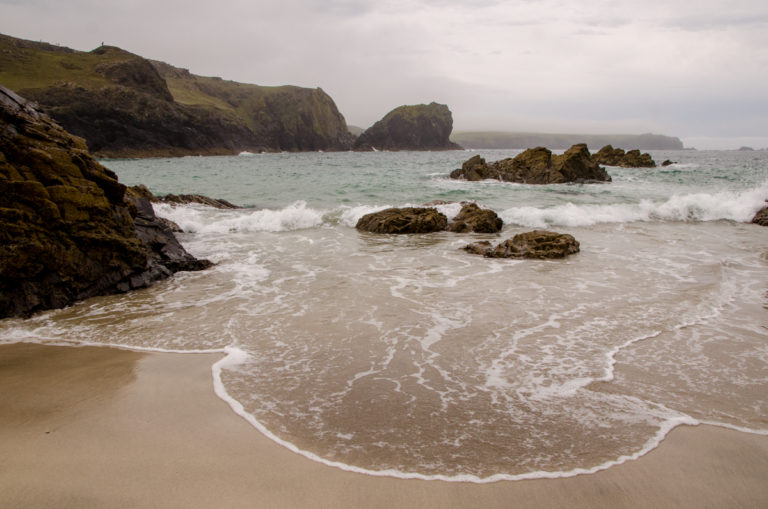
[403,220]
[536,166]
[617,157]
[67,229]
[534,244]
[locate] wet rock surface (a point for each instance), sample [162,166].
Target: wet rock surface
[403,220]
[533,244]
[67,229]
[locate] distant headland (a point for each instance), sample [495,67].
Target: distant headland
[522,140]
[125,105]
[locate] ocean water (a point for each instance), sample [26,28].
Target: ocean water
[406,356]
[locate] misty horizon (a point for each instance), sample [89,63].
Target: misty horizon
[584,68]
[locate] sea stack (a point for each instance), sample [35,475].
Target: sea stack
[419,127]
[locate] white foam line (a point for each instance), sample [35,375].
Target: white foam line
[736,428]
[117,346]
[236,356]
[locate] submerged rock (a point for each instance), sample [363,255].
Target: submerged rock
[617,157]
[536,166]
[403,220]
[419,127]
[67,229]
[534,244]
[474,219]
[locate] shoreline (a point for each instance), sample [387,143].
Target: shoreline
[105,427]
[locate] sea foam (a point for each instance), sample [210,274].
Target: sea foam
[194,219]
[731,206]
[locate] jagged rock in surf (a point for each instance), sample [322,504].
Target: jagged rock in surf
[761,217]
[536,166]
[617,157]
[534,244]
[472,218]
[403,220]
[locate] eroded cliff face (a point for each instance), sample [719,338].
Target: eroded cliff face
[419,127]
[126,106]
[67,229]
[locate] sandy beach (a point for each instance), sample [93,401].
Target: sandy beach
[101,427]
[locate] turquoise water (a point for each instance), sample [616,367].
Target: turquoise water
[407,356]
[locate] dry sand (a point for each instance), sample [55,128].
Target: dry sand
[99,427]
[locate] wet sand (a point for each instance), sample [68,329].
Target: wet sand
[100,427]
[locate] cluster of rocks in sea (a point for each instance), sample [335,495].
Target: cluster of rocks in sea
[536,166]
[540,166]
[618,157]
[428,220]
[471,218]
[68,229]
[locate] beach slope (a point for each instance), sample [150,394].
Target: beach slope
[98,427]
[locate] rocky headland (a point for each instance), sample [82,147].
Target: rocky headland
[536,166]
[124,105]
[418,127]
[68,228]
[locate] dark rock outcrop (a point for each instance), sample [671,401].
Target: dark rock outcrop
[419,127]
[617,157]
[67,229]
[761,217]
[127,106]
[403,220]
[534,244]
[536,166]
[186,199]
[667,162]
[474,219]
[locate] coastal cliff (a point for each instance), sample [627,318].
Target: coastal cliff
[419,127]
[68,229]
[124,105]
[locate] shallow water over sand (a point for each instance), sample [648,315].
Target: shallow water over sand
[408,356]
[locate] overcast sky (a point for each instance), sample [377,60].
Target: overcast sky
[697,70]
